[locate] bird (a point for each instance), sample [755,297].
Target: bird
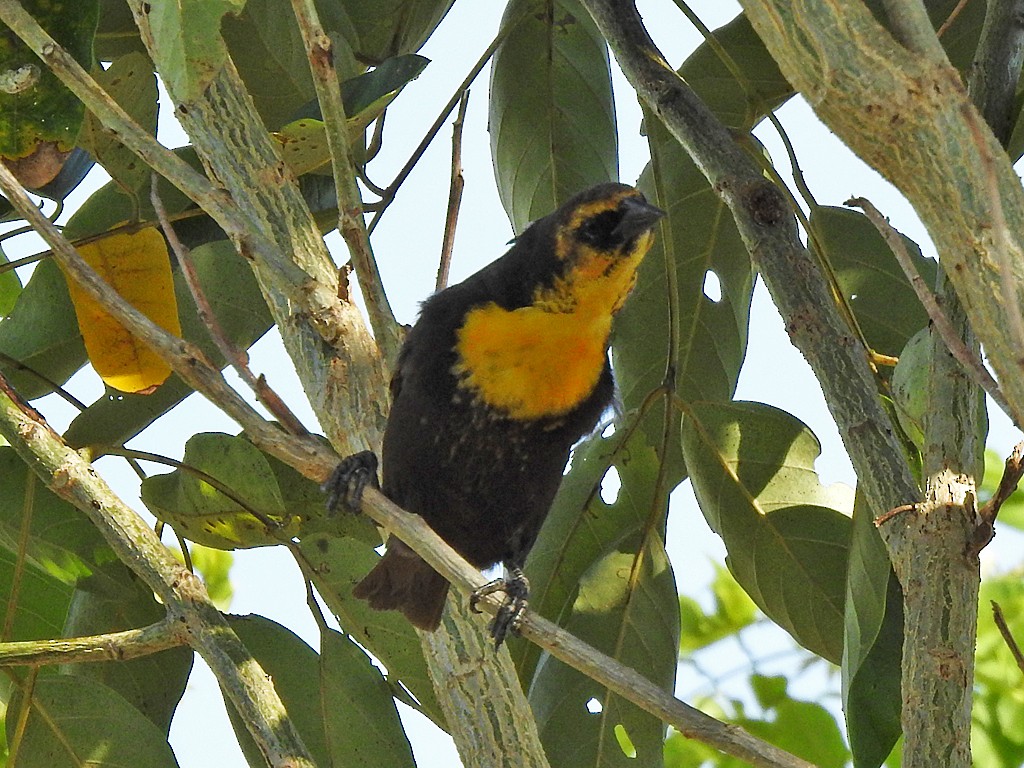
[495,382]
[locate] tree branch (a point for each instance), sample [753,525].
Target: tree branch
[73,478]
[766,224]
[115,646]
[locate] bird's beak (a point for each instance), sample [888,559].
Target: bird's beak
[638,216]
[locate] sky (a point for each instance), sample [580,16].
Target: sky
[407,244]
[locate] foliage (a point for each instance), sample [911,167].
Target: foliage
[805,567]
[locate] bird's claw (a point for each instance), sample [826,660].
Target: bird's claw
[349,479]
[516,589]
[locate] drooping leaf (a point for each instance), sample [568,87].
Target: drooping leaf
[335,564]
[39,340]
[752,468]
[552,121]
[236,301]
[137,266]
[132,84]
[295,669]
[152,684]
[386,28]
[599,569]
[873,645]
[74,721]
[359,713]
[870,278]
[39,116]
[267,50]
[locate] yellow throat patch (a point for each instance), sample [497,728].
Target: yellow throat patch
[545,359]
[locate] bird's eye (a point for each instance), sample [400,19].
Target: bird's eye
[599,230]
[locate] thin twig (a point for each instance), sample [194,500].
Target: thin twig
[55,388]
[951,18]
[971,363]
[115,646]
[351,223]
[1013,471]
[235,357]
[454,195]
[885,517]
[417,153]
[1004,630]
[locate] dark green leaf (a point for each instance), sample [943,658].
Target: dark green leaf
[40,337]
[552,120]
[267,49]
[387,28]
[870,278]
[335,564]
[359,712]
[873,649]
[740,104]
[132,84]
[152,684]
[10,286]
[75,721]
[752,468]
[295,669]
[600,570]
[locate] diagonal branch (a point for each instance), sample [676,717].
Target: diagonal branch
[766,224]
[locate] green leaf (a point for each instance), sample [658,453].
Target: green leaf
[39,602]
[359,712]
[600,570]
[10,285]
[873,647]
[752,468]
[74,722]
[204,514]
[132,84]
[60,540]
[870,278]
[294,668]
[625,608]
[152,684]
[335,564]
[738,103]
[734,611]
[806,729]
[387,28]
[40,337]
[552,120]
[187,34]
[267,50]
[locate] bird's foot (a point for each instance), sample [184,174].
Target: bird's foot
[349,479]
[506,620]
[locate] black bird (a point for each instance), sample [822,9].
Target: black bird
[496,381]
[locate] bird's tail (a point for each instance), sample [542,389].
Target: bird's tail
[403,581]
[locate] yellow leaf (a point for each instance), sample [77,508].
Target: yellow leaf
[138,268]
